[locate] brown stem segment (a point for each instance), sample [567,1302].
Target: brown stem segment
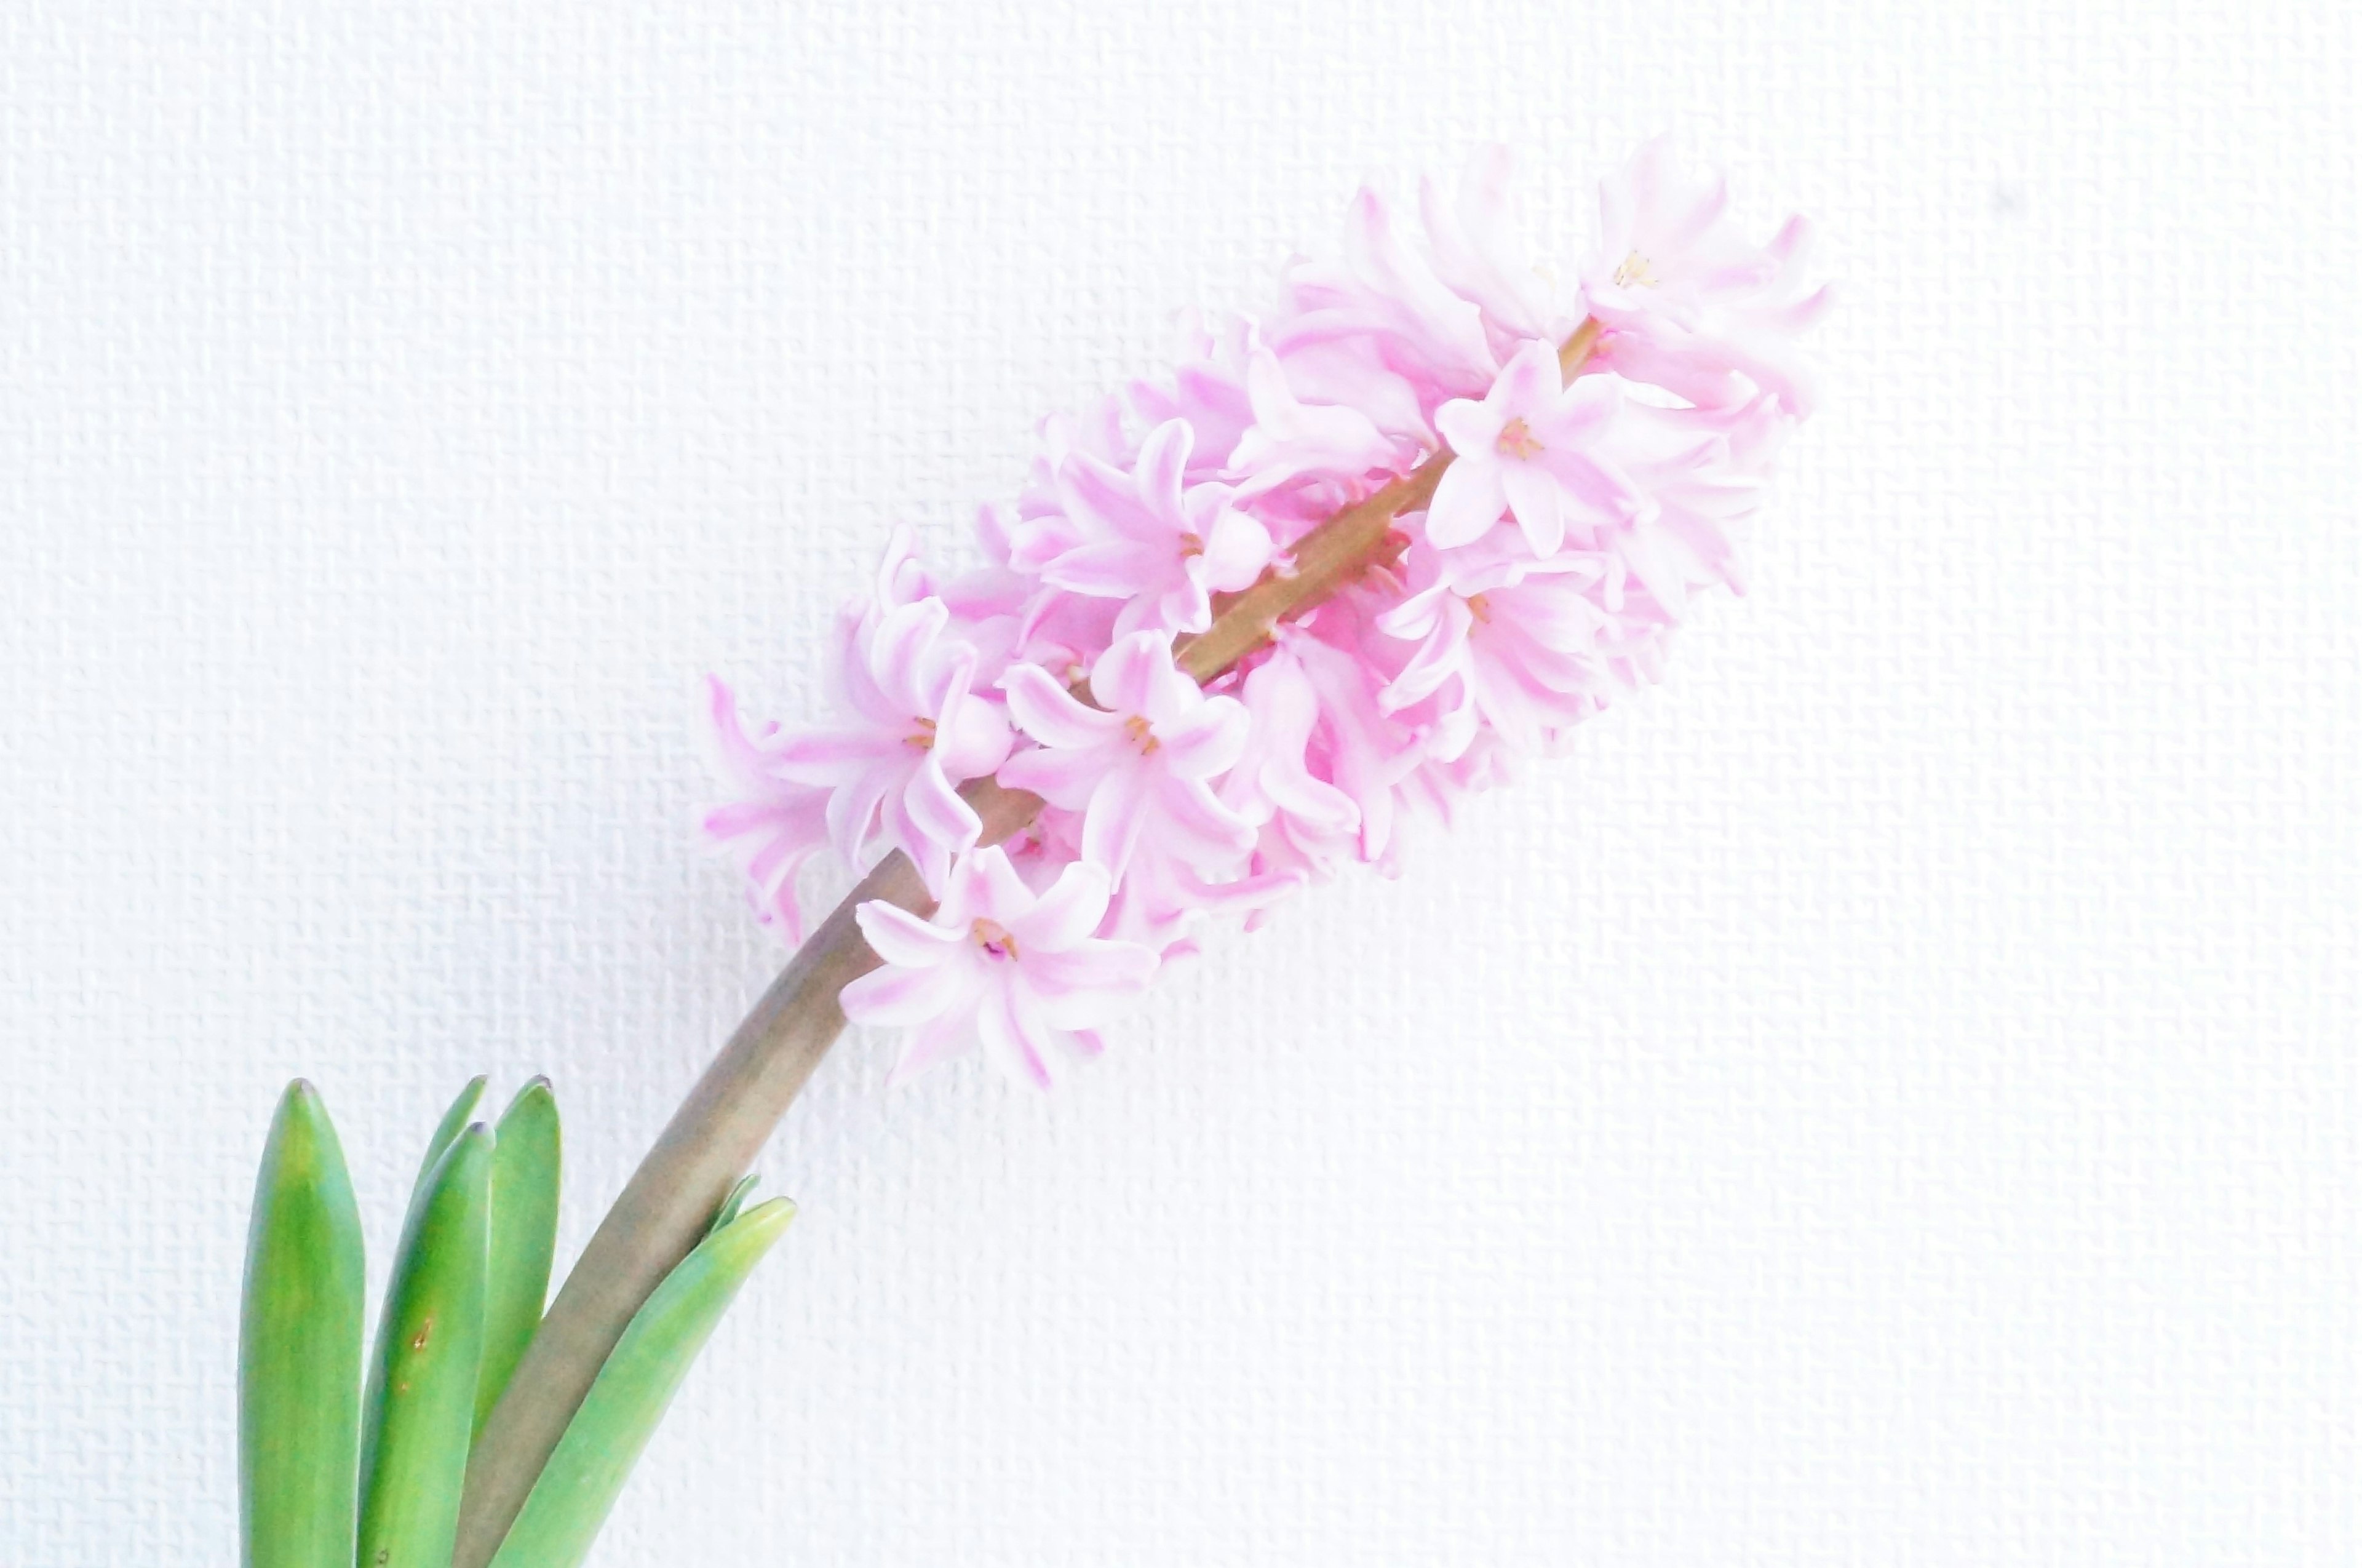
[727,1118]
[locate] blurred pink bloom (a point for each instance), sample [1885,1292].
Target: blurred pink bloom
[1480,255]
[1505,642]
[1693,300]
[1536,447]
[1000,965]
[1289,438]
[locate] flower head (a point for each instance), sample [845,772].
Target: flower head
[1589,440]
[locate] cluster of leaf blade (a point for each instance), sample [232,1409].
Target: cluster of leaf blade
[334,1474]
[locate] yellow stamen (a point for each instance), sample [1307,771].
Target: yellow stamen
[1635,273]
[923,737]
[1517,441]
[1480,609]
[992,937]
[1192,546]
[1136,730]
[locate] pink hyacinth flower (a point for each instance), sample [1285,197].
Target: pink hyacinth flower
[1480,255]
[1289,438]
[1532,447]
[1146,537]
[1697,306]
[1505,643]
[1018,973]
[1141,759]
[911,731]
[772,824]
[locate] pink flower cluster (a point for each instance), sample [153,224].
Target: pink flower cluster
[1575,520]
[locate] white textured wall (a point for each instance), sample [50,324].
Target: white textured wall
[1891,1098]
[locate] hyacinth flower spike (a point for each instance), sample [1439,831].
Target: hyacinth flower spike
[1240,628]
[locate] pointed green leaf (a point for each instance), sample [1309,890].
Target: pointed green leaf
[732,1203]
[580,1484]
[462,1111]
[523,1235]
[421,1389]
[299,1354]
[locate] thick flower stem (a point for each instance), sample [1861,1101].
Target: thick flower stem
[723,1125]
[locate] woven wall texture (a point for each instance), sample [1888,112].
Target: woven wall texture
[1891,1098]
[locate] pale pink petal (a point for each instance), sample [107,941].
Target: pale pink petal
[1111,569]
[1069,778]
[853,815]
[1008,1041]
[1467,504]
[899,650]
[902,938]
[1469,426]
[1237,549]
[828,757]
[1206,740]
[1104,492]
[1067,913]
[1044,710]
[1163,458]
[1127,674]
[1539,502]
[937,811]
[994,889]
[931,1045]
[897,997]
[1077,985]
[1530,380]
[1112,820]
[973,741]
[1190,808]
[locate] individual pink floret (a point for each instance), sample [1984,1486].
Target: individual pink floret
[1535,447]
[910,732]
[1000,965]
[1145,537]
[772,826]
[1140,760]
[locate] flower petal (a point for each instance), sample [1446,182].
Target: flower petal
[1539,502]
[902,938]
[1069,911]
[1068,779]
[1467,504]
[897,998]
[1112,821]
[1126,675]
[1044,710]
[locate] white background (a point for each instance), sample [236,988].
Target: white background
[1890,1098]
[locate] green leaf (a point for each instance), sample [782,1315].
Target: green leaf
[421,1403]
[523,1235]
[580,1484]
[299,1354]
[462,1111]
[732,1203]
